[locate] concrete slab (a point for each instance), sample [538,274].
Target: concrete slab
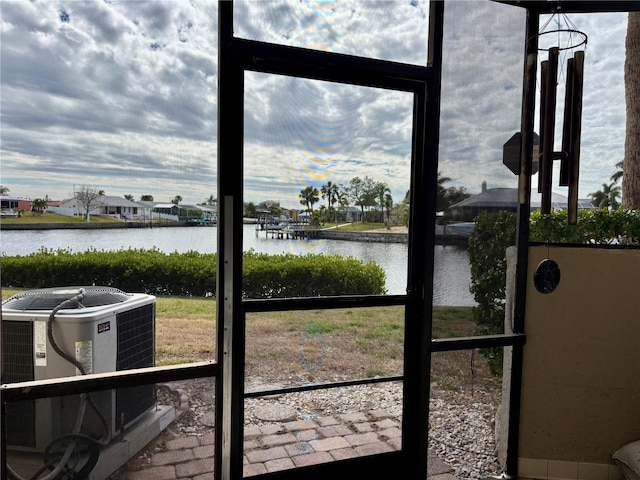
[113,456]
[148,427]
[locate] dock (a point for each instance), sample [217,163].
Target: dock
[287,231]
[443,236]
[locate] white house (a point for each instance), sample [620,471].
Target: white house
[107,205]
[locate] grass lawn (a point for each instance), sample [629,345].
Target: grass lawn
[49,217]
[316,344]
[355,227]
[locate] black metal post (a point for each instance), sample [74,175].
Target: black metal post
[230,324]
[418,316]
[522,235]
[3,439]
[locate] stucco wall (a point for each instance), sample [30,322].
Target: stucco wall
[581,376]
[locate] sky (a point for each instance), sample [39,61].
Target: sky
[122,95]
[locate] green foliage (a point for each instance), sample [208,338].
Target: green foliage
[492,235]
[620,226]
[193,273]
[607,196]
[39,205]
[288,275]
[495,232]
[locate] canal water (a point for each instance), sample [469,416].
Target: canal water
[452,271]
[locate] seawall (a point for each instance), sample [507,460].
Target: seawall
[87,226]
[388,237]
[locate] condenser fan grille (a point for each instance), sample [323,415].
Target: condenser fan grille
[50,298]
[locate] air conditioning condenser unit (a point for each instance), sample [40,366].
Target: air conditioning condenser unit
[106,330]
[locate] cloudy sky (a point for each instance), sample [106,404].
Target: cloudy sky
[122,95]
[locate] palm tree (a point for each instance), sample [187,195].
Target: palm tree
[615,178]
[129,197]
[3,189]
[607,197]
[342,199]
[308,197]
[330,192]
[445,196]
[441,202]
[146,198]
[39,205]
[211,200]
[388,204]
[381,190]
[631,167]
[176,200]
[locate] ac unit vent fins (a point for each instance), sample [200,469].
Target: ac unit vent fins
[17,350]
[50,298]
[135,350]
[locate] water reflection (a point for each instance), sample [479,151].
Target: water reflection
[451,279]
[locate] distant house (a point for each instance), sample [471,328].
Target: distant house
[503,200]
[107,205]
[267,207]
[208,212]
[10,204]
[170,209]
[173,211]
[352,214]
[269,211]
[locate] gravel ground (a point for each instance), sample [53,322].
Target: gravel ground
[461,423]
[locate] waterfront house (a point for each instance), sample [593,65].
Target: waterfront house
[503,200]
[11,205]
[108,205]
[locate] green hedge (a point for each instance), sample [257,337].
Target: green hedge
[620,226]
[193,273]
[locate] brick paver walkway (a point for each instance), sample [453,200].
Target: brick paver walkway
[288,445]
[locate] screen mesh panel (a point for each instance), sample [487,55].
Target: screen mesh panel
[135,350]
[17,351]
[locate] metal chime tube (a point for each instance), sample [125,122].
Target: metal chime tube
[576,129]
[567,128]
[549,130]
[544,68]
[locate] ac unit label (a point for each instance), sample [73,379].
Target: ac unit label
[104,327]
[84,356]
[40,343]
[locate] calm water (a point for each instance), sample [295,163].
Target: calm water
[451,263]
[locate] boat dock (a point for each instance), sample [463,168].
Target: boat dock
[287,231]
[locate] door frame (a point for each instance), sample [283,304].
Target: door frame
[236,56]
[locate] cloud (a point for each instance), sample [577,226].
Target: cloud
[123,95]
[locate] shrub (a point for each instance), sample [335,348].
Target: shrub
[193,273]
[288,275]
[492,235]
[620,226]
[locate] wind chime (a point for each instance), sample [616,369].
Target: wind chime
[569,155]
[547,274]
